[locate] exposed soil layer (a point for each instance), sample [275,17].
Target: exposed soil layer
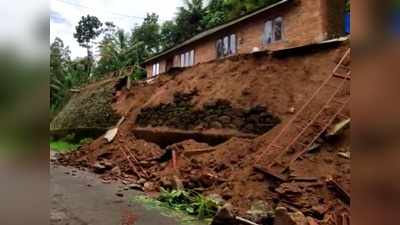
[282,84]
[167,136]
[218,114]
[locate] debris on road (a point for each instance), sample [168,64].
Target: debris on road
[196,102]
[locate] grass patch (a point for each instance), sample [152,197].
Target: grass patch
[63,146]
[192,203]
[182,217]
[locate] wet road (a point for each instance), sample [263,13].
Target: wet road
[80,198]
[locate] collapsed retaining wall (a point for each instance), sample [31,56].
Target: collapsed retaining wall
[217,114]
[282,83]
[91,108]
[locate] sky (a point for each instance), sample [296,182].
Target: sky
[65,15]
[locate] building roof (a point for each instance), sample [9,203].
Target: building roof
[216,29]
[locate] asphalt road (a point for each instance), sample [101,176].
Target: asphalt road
[80,198]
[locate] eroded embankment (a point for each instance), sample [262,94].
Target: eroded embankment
[275,87]
[90,109]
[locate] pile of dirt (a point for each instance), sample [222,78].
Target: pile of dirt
[218,114]
[227,170]
[124,159]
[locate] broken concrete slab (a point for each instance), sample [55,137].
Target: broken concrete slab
[110,134]
[338,127]
[345,155]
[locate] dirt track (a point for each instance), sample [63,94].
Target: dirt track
[82,199]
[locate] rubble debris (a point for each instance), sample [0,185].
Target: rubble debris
[260,210]
[283,217]
[131,164]
[304,179]
[201,150]
[99,168]
[110,134]
[335,186]
[345,155]
[149,186]
[337,128]
[246,221]
[165,137]
[136,187]
[227,169]
[311,221]
[224,216]
[342,219]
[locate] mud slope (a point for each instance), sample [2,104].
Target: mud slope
[277,85]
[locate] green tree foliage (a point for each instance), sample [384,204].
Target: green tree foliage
[114,53]
[64,73]
[169,35]
[149,34]
[189,19]
[194,17]
[237,8]
[88,29]
[216,13]
[119,49]
[59,60]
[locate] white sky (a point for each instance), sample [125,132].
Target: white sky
[65,15]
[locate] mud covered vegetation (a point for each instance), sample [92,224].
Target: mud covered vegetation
[217,114]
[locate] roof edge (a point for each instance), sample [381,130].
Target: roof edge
[211,31]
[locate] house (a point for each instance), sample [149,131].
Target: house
[285,24]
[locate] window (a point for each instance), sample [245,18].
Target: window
[220,48]
[156,69]
[191,58]
[226,46]
[273,30]
[232,44]
[278,29]
[187,59]
[182,60]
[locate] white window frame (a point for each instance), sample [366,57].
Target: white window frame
[270,29]
[182,56]
[191,58]
[232,44]
[187,59]
[156,69]
[226,46]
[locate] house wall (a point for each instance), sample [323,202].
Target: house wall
[304,22]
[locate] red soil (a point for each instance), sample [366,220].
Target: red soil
[246,81]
